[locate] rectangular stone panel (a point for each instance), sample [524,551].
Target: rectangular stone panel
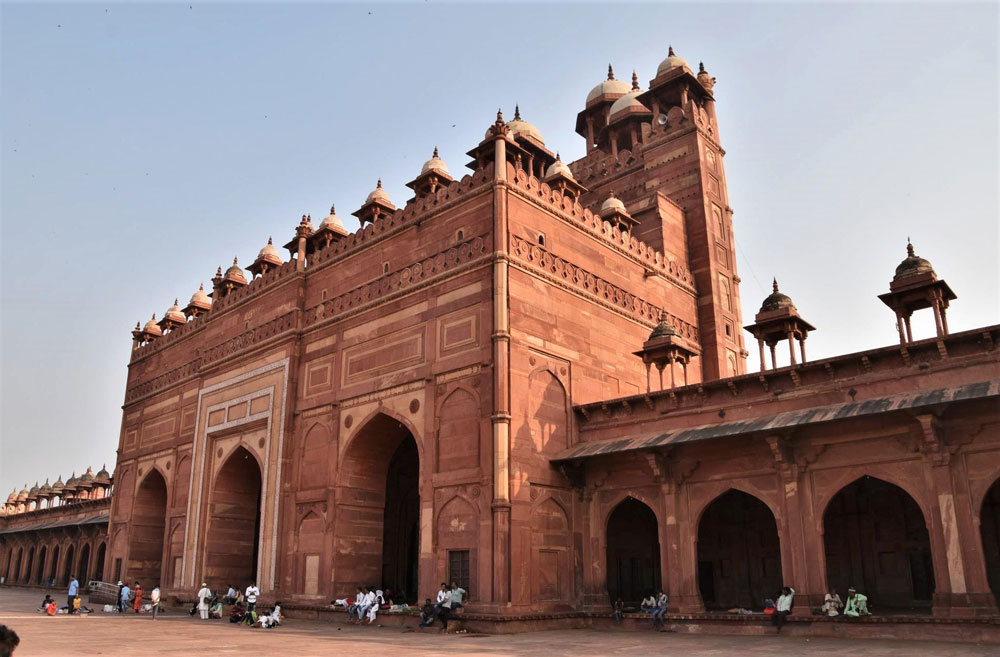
[382,354]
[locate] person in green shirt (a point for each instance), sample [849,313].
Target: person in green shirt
[457,596]
[857,604]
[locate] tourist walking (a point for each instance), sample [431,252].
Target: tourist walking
[204,599]
[137,600]
[74,586]
[252,593]
[784,607]
[123,597]
[154,600]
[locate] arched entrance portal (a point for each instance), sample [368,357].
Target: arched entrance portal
[989,528]
[379,517]
[231,542]
[876,540]
[145,543]
[739,556]
[633,550]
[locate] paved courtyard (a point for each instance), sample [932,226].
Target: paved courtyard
[178,634]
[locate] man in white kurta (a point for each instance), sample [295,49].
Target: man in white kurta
[204,599]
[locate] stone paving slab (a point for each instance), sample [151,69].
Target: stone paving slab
[175,633]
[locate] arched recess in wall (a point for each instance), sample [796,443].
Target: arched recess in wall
[232,548]
[310,537]
[146,529]
[876,540]
[182,481]
[26,575]
[457,540]
[69,563]
[102,549]
[54,565]
[314,459]
[458,432]
[13,574]
[739,555]
[39,575]
[551,557]
[633,552]
[547,413]
[83,569]
[989,529]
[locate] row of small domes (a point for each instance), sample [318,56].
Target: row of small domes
[87,480]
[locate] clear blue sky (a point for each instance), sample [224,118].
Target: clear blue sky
[144,145]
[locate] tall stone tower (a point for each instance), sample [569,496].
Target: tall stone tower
[658,152]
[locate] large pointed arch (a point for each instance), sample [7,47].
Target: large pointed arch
[551,544]
[989,529]
[232,535]
[146,530]
[632,551]
[876,540]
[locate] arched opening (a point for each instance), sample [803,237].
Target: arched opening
[379,520]
[83,571]
[989,528]
[26,575]
[232,549]
[145,542]
[68,565]
[39,577]
[739,555]
[13,575]
[876,540]
[99,564]
[54,567]
[633,551]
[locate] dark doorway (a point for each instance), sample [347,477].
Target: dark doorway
[633,551]
[26,575]
[400,525]
[68,566]
[739,555]
[877,541]
[99,564]
[54,569]
[84,567]
[149,517]
[989,528]
[15,574]
[40,574]
[231,544]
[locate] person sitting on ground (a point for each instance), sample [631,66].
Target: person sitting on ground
[427,613]
[352,606]
[648,603]
[457,597]
[137,599]
[45,602]
[783,607]
[123,597]
[215,607]
[237,613]
[662,602]
[270,620]
[387,598]
[832,603]
[444,608]
[619,610]
[230,598]
[857,604]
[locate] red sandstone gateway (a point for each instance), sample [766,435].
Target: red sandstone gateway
[531,381]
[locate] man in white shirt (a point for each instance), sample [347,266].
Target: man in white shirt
[366,603]
[783,607]
[444,606]
[204,600]
[154,599]
[252,593]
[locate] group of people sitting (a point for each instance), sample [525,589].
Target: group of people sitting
[449,600]
[655,605]
[856,606]
[243,606]
[368,601]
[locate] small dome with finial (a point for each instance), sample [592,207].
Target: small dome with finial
[152,327]
[270,253]
[704,78]
[175,313]
[103,474]
[12,498]
[609,87]
[46,488]
[23,495]
[912,265]
[434,164]
[776,300]
[378,194]
[521,128]
[332,221]
[200,298]
[33,491]
[58,486]
[87,476]
[671,62]
[611,205]
[235,271]
[664,328]
[558,168]
[628,101]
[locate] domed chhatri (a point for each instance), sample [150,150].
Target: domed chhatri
[664,328]
[330,230]
[332,221]
[267,259]
[558,168]
[776,300]
[519,128]
[912,265]
[434,164]
[670,63]
[376,205]
[433,175]
[235,272]
[629,104]
[612,204]
[200,303]
[173,318]
[559,177]
[151,329]
[609,89]
[666,349]
[378,194]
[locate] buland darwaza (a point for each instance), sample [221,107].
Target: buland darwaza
[531,380]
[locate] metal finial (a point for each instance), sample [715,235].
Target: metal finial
[517,113]
[775,284]
[611,73]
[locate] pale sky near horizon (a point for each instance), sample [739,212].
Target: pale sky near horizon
[143,145]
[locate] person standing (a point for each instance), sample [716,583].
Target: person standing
[204,598]
[74,586]
[123,597]
[784,607]
[252,593]
[137,600]
[619,610]
[444,607]
[154,600]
